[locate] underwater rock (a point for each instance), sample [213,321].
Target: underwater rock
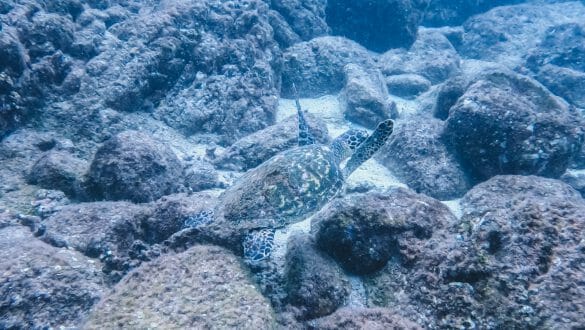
[516,246]
[201,175]
[416,154]
[43,286]
[46,33]
[407,85]
[431,56]
[507,34]
[305,17]
[254,149]
[364,97]
[315,283]
[378,25]
[105,230]
[363,318]
[363,231]
[203,287]
[575,180]
[133,166]
[506,123]
[455,12]
[59,170]
[283,33]
[559,62]
[524,234]
[169,214]
[316,66]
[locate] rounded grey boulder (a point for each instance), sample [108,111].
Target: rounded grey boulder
[133,166]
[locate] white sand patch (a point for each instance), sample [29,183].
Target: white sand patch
[406,107]
[357,296]
[373,173]
[455,207]
[327,108]
[282,235]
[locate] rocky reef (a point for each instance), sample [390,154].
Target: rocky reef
[122,122]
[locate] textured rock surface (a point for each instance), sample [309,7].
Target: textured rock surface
[106,230]
[133,166]
[575,180]
[507,123]
[516,246]
[431,56]
[203,287]
[505,35]
[315,283]
[170,212]
[43,286]
[559,62]
[407,85]
[306,18]
[364,97]
[363,231]
[316,66]
[455,12]
[378,25]
[59,170]
[82,70]
[363,318]
[256,148]
[416,154]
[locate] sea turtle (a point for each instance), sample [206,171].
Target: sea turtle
[291,185]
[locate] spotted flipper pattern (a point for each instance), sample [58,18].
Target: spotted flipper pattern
[369,147]
[258,244]
[204,217]
[305,136]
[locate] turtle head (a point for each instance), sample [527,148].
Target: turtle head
[345,144]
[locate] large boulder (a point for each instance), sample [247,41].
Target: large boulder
[203,287]
[315,283]
[43,286]
[506,123]
[505,35]
[133,166]
[316,66]
[110,231]
[559,62]
[407,85]
[432,56]
[59,170]
[364,98]
[516,247]
[378,25]
[363,231]
[525,241]
[254,149]
[416,154]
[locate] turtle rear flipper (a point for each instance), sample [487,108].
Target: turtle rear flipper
[369,147]
[305,136]
[198,219]
[258,244]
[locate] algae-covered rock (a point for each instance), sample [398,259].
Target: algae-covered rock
[204,287]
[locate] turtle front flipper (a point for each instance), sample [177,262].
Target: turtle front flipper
[258,244]
[305,136]
[369,147]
